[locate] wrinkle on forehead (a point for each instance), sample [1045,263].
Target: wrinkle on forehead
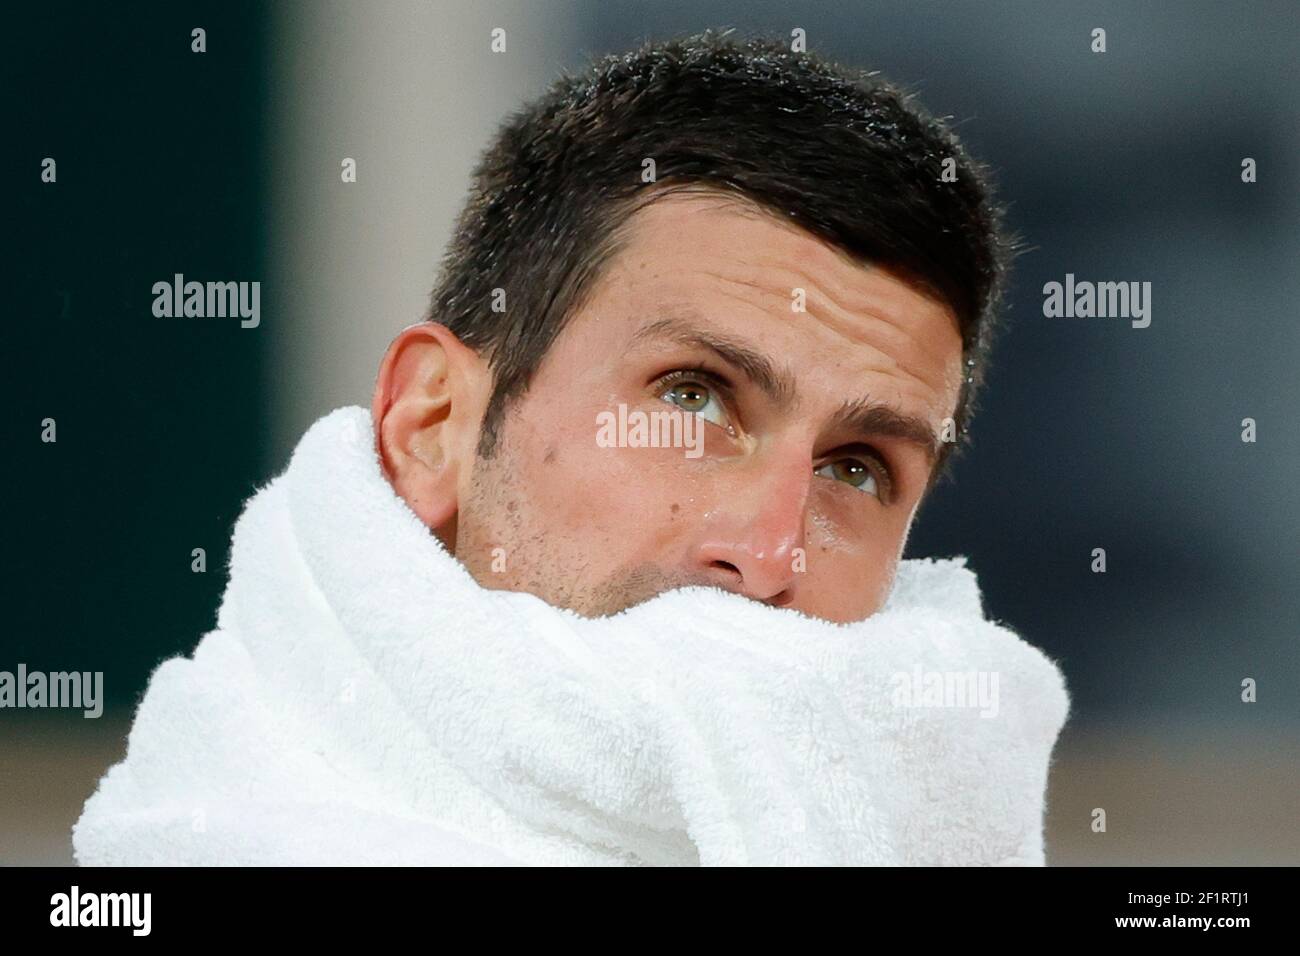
[886,343]
[895,329]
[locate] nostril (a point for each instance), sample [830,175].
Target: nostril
[782,600]
[725,566]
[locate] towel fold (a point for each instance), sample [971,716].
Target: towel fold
[363,700]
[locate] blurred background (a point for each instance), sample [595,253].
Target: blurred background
[1121,166]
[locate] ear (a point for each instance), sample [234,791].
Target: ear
[428,403]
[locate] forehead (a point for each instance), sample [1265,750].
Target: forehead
[745,271]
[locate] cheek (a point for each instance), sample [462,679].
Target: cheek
[850,573]
[576,488]
[576,480]
[632,490]
[851,539]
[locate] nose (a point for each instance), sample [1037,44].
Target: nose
[750,540]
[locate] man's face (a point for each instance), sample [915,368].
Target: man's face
[817,426]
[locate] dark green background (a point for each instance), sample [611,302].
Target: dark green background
[160,423]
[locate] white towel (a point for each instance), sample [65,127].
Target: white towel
[363,700]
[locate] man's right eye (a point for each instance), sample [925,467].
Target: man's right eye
[698,399]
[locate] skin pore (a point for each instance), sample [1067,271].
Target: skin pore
[819,426]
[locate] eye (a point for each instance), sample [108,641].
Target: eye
[865,475]
[692,396]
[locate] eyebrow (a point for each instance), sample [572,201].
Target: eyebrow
[872,418]
[777,384]
[859,416]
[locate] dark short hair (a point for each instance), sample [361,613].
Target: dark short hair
[841,152]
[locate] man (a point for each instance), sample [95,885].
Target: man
[799,248]
[790,272]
